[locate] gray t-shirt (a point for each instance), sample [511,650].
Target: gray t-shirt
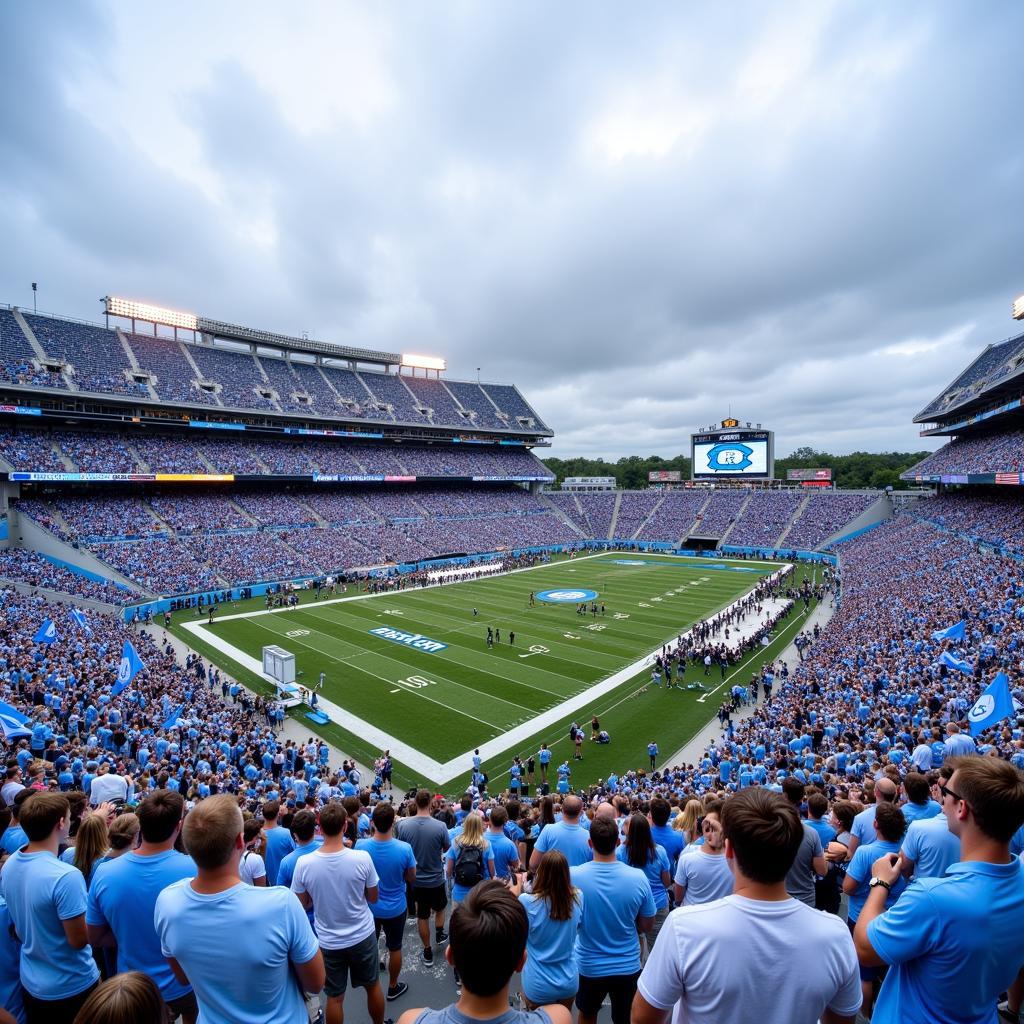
[800,879]
[429,839]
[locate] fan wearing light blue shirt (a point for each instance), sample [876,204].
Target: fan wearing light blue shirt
[953,943]
[124,892]
[638,850]
[46,899]
[505,852]
[248,951]
[567,836]
[279,840]
[617,903]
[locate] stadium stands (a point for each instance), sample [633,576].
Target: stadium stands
[34,570]
[720,513]
[765,517]
[989,453]
[176,377]
[634,509]
[19,363]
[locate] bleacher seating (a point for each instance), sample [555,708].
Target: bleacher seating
[509,401]
[472,399]
[1002,452]
[30,450]
[720,513]
[994,364]
[825,513]
[237,374]
[672,520]
[765,517]
[599,509]
[634,509]
[175,377]
[18,359]
[390,390]
[32,569]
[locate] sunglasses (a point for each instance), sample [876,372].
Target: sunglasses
[946,791]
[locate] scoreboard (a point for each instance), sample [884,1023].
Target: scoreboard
[733,452]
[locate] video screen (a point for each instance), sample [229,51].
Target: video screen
[736,454]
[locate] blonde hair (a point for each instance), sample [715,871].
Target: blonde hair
[472,832]
[210,831]
[123,831]
[693,810]
[130,998]
[91,843]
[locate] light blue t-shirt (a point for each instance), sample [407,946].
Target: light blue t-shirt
[13,839]
[460,892]
[550,972]
[859,869]
[42,892]
[570,840]
[704,877]
[237,947]
[286,869]
[653,870]
[673,841]
[279,845]
[391,858]
[505,853]
[10,968]
[953,944]
[614,896]
[920,812]
[123,895]
[931,846]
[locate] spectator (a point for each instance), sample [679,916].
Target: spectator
[718,961]
[617,903]
[46,899]
[338,884]
[567,836]
[123,896]
[279,840]
[395,864]
[263,930]
[429,841]
[809,863]
[703,873]
[953,943]
[554,909]
[639,851]
[504,851]
[131,997]
[488,945]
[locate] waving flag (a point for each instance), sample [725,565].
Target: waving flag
[131,665]
[957,632]
[79,619]
[172,719]
[13,722]
[46,633]
[995,704]
[952,661]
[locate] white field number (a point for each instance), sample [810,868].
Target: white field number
[535,649]
[414,683]
[297,632]
[595,627]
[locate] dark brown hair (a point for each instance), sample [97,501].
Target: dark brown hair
[890,821]
[41,813]
[765,832]
[488,932]
[333,817]
[159,815]
[553,884]
[991,787]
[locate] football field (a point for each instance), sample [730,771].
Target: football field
[412,671]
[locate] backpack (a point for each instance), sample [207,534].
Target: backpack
[469,865]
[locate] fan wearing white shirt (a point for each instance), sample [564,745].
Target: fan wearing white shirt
[694,972]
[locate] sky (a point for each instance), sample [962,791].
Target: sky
[645,216]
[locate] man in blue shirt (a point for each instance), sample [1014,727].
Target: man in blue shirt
[303,831]
[953,943]
[395,863]
[919,805]
[279,840]
[617,903]
[567,836]
[14,838]
[123,894]
[665,836]
[46,900]
[241,947]
[506,853]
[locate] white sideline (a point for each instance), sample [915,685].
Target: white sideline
[438,771]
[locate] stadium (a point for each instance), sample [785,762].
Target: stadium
[347,663]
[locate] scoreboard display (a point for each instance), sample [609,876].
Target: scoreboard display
[732,452]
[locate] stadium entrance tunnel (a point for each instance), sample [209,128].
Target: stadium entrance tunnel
[566,596]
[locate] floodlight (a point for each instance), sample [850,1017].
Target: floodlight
[1018,308]
[151,314]
[424,362]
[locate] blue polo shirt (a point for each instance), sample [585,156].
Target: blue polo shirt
[614,896]
[953,944]
[123,895]
[859,869]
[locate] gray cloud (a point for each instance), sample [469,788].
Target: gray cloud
[807,212]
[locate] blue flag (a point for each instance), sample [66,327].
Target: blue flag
[131,665]
[79,619]
[172,719]
[47,632]
[952,661]
[13,722]
[957,632]
[995,704]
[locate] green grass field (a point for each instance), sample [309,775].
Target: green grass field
[433,709]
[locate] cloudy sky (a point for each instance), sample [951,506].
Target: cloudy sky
[643,215]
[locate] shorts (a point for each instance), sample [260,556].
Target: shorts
[54,1011]
[393,928]
[182,1005]
[360,960]
[620,989]
[429,900]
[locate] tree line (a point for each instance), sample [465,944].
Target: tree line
[859,469]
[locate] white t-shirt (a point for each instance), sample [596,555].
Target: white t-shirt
[251,867]
[722,958]
[337,883]
[704,876]
[108,787]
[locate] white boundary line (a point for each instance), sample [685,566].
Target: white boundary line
[438,771]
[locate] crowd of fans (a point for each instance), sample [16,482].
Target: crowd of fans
[992,453]
[97,362]
[849,786]
[32,569]
[993,520]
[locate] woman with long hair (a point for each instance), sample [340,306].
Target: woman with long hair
[554,909]
[91,845]
[468,862]
[252,868]
[692,812]
[547,816]
[640,851]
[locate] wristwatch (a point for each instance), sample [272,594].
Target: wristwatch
[880,881]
